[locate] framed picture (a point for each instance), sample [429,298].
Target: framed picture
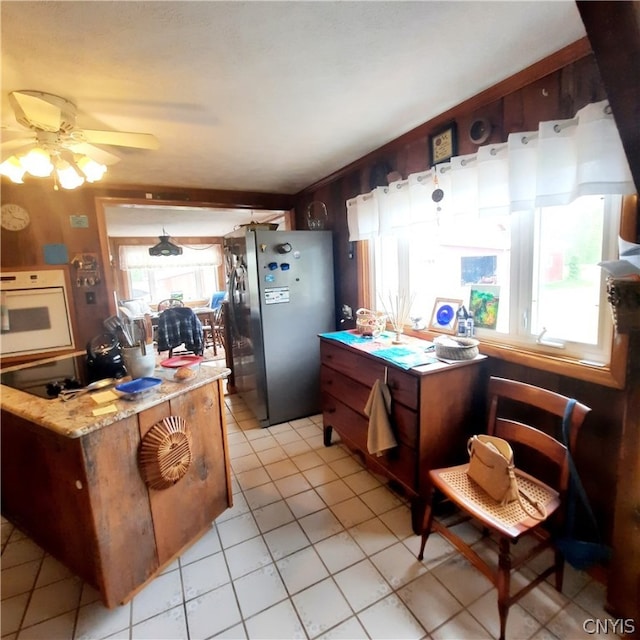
[483,303]
[444,318]
[443,144]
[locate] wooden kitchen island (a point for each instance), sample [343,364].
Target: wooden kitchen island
[74,483]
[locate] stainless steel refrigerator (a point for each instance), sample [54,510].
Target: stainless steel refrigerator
[281,296]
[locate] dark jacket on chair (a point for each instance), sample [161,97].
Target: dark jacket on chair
[180,325]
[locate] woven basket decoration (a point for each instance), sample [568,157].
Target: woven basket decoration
[465,349]
[165,453]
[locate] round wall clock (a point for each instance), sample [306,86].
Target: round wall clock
[13,217]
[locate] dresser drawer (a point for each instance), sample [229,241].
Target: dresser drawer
[400,462]
[404,386]
[355,396]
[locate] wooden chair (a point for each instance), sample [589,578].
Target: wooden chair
[218,328]
[180,326]
[541,455]
[169,303]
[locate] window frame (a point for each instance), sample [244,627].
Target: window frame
[611,375]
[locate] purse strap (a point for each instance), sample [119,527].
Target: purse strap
[541,513]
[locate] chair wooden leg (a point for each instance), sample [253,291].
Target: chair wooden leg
[504,580]
[426,523]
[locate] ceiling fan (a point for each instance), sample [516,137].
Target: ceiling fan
[53,132]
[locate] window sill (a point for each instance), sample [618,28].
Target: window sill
[613,375]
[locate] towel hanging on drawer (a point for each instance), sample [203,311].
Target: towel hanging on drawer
[378,409]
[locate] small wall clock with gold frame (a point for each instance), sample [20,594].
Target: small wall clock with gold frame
[443,144]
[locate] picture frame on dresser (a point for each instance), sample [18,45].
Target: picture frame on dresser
[444,317]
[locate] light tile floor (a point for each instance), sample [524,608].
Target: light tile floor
[315,546]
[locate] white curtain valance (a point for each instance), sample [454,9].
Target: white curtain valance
[563,160]
[137,257]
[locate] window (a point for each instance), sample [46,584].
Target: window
[194,275]
[516,232]
[540,265]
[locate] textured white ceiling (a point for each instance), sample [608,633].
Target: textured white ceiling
[183,221]
[266,96]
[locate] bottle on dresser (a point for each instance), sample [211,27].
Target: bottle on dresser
[462,316]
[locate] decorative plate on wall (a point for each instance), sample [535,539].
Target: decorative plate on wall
[479,130]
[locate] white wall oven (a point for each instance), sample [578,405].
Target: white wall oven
[34,313]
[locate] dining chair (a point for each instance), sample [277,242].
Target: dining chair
[218,328]
[542,471]
[178,326]
[169,303]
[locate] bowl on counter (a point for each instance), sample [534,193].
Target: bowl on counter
[138,388]
[180,368]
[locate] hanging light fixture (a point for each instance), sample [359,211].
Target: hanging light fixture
[12,168]
[67,175]
[37,162]
[69,169]
[165,247]
[92,170]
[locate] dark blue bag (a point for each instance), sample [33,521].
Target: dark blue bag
[580,554]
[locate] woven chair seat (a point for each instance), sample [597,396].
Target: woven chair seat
[511,518]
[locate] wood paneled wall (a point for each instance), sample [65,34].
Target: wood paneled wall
[50,213]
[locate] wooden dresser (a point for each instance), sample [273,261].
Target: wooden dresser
[435,407]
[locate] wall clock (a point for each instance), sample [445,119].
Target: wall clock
[13,217]
[443,144]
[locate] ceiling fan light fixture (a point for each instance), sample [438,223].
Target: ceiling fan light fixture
[37,162]
[165,247]
[92,170]
[68,177]
[53,121]
[12,168]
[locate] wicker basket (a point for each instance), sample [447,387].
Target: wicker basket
[370,323]
[465,349]
[624,302]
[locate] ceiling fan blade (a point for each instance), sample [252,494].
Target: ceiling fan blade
[99,155]
[34,111]
[10,138]
[14,147]
[121,138]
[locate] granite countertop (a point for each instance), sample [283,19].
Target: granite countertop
[76,418]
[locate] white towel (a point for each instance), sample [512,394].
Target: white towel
[380,434]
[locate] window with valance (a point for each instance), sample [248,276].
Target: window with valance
[193,275]
[528,220]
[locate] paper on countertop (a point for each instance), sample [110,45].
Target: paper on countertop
[104,396]
[629,262]
[100,411]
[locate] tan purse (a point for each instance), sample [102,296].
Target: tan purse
[491,467]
